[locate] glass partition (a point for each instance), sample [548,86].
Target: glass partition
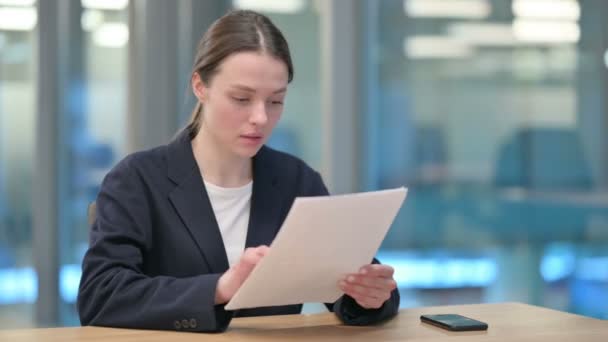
[18,59]
[93,135]
[494,114]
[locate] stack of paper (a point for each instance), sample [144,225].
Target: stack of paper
[321,240]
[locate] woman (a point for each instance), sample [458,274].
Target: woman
[180,227]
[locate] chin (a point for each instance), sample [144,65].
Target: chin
[248,152]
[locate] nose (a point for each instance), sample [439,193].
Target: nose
[258,116]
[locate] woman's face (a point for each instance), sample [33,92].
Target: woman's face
[243,102]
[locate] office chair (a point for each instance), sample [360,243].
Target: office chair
[543,159]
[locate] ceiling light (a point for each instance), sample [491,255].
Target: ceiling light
[489,34]
[272,6]
[91,20]
[425,47]
[111,35]
[544,31]
[105,4]
[18,18]
[475,9]
[547,9]
[22,3]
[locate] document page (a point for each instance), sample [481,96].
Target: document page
[322,239]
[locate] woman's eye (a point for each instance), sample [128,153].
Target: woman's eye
[276,102]
[241,99]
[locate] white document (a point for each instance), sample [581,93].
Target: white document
[321,240]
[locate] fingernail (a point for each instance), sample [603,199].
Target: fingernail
[350,279]
[363,271]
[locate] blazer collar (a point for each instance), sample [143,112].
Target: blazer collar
[191,201]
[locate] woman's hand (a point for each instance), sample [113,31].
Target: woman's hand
[232,280]
[371,286]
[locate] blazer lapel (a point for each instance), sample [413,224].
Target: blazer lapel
[192,203]
[266,203]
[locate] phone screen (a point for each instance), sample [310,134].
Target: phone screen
[454,322]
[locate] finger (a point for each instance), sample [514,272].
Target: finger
[366,302]
[356,295]
[369,304]
[259,250]
[367,297]
[252,256]
[262,250]
[249,256]
[379,270]
[365,292]
[387,284]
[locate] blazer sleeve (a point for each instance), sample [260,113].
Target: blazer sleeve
[115,291]
[346,308]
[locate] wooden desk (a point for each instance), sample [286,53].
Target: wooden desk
[507,322]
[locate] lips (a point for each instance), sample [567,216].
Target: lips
[253,139]
[252,136]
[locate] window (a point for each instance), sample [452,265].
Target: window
[18,281]
[95,134]
[494,115]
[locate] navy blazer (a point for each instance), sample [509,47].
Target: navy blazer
[156,252]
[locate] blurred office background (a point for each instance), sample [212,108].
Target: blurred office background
[493,112]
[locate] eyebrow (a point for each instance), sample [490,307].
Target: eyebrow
[251,90]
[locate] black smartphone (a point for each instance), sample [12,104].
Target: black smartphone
[454,322]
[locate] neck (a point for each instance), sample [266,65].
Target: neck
[218,166]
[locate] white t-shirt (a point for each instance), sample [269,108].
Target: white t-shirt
[231,207]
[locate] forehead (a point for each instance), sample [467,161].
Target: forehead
[252,69]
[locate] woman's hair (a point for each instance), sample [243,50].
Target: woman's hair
[237,31]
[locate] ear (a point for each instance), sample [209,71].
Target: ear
[198,87]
